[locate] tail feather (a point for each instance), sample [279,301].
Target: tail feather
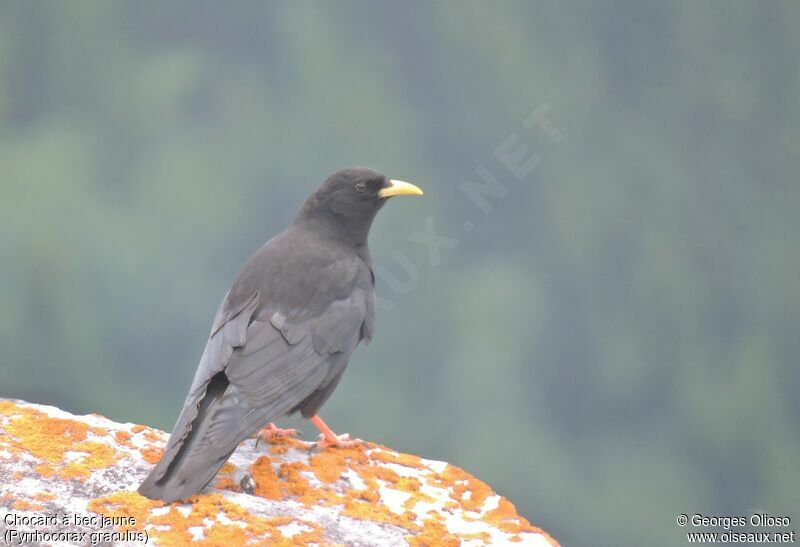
[209,429]
[191,459]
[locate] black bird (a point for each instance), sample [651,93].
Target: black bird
[283,334]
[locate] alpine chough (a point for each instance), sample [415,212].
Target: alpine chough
[283,334]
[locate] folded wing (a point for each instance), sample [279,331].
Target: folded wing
[254,371]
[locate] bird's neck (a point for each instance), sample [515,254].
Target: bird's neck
[352,231]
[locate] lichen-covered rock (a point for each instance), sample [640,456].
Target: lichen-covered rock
[71,480]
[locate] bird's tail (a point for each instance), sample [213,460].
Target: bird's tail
[207,432]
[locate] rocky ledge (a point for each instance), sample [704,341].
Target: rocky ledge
[71,480]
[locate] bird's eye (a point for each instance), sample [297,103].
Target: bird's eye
[361,186]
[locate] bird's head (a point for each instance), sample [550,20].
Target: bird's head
[351,197]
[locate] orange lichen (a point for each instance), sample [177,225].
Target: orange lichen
[44,496]
[483,537]
[6,405]
[433,534]
[102,455]
[74,471]
[294,484]
[148,433]
[287,441]
[467,493]
[466,490]
[412,486]
[98,456]
[227,483]
[123,438]
[281,444]
[68,448]
[124,504]
[151,454]
[278,449]
[388,456]
[152,436]
[34,432]
[369,494]
[47,438]
[45,470]
[99,431]
[385,474]
[505,517]
[22,505]
[329,465]
[376,512]
[267,483]
[172,528]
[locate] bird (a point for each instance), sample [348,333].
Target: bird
[283,334]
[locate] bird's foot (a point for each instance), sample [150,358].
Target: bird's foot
[328,438]
[273,431]
[339,441]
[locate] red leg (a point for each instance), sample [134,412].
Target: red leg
[328,438]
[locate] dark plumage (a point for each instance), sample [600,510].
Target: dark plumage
[283,334]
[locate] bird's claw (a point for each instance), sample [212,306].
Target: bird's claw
[342,441]
[272,431]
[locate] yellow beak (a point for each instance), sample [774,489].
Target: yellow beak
[399,188]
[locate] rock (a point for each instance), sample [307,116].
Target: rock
[71,480]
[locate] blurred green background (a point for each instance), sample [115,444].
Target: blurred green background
[608,338]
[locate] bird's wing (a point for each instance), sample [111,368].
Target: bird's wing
[254,371]
[280,365]
[313,402]
[228,332]
[286,359]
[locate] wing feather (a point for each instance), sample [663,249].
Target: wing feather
[260,363]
